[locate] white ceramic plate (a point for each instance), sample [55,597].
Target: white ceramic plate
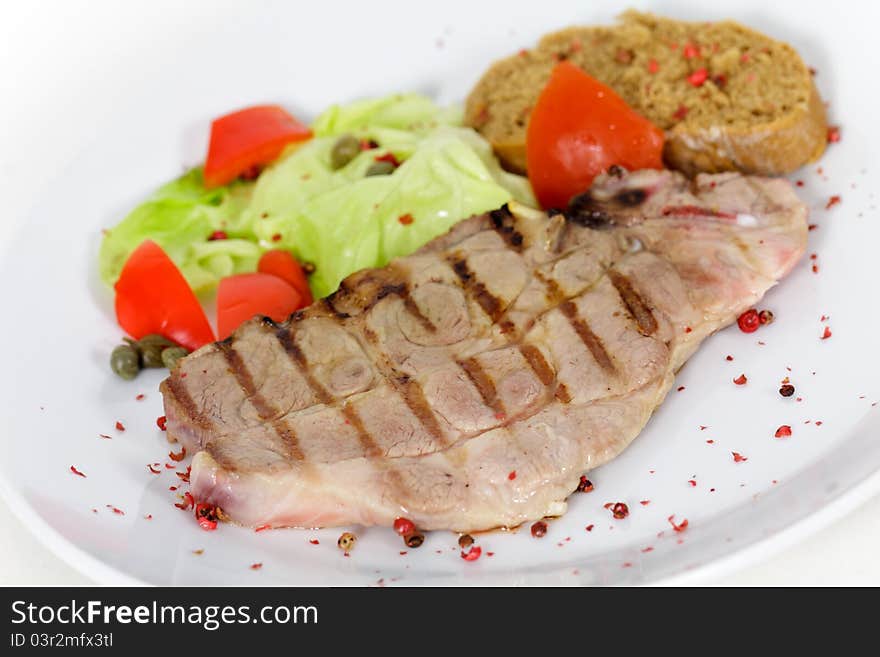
[115,98]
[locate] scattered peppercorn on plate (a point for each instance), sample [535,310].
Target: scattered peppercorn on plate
[767,433]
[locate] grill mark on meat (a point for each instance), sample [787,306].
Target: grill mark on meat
[366,440]
[370,335]
[404,291]
[239,370]
[285,337]
[538,363]
[630,198]
[414,310]
[634,303]
[459,266]
[387,290]
[287,434]
[585,333]
[287,340]
[562,393]
[513,240]
[181,394]
[585,210]
[490,304]
[483,383]
[409,390]
[326,304]
[554,294]
[507,231]
[265,409]
[508,328]
[392,282]
[476,289]
[412,394]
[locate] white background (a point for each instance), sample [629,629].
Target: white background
[844,553]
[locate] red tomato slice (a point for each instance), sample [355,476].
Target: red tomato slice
[248,139]
[283,265]
[578,128]
[152,296]
[243,296]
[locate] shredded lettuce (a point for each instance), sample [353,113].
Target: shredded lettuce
[338,220]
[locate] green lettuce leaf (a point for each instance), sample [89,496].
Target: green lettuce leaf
[406,113]
[339,220]
[343,221]
[180,217]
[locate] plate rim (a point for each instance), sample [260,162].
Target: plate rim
[82,560]
[764,548]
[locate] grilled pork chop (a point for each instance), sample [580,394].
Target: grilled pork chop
[469,385]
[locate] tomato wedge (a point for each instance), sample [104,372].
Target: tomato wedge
[152,296]
[243,296]
[579,127]
[247,140]
[283,265]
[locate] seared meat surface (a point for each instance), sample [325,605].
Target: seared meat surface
[469,385]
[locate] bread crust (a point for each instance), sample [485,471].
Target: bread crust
[765,146]
[769,149]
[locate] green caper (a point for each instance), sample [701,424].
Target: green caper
[155,338]
[344,151]
[380,168]
[170,356]
[151,354]
[150,349]
[125,362]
